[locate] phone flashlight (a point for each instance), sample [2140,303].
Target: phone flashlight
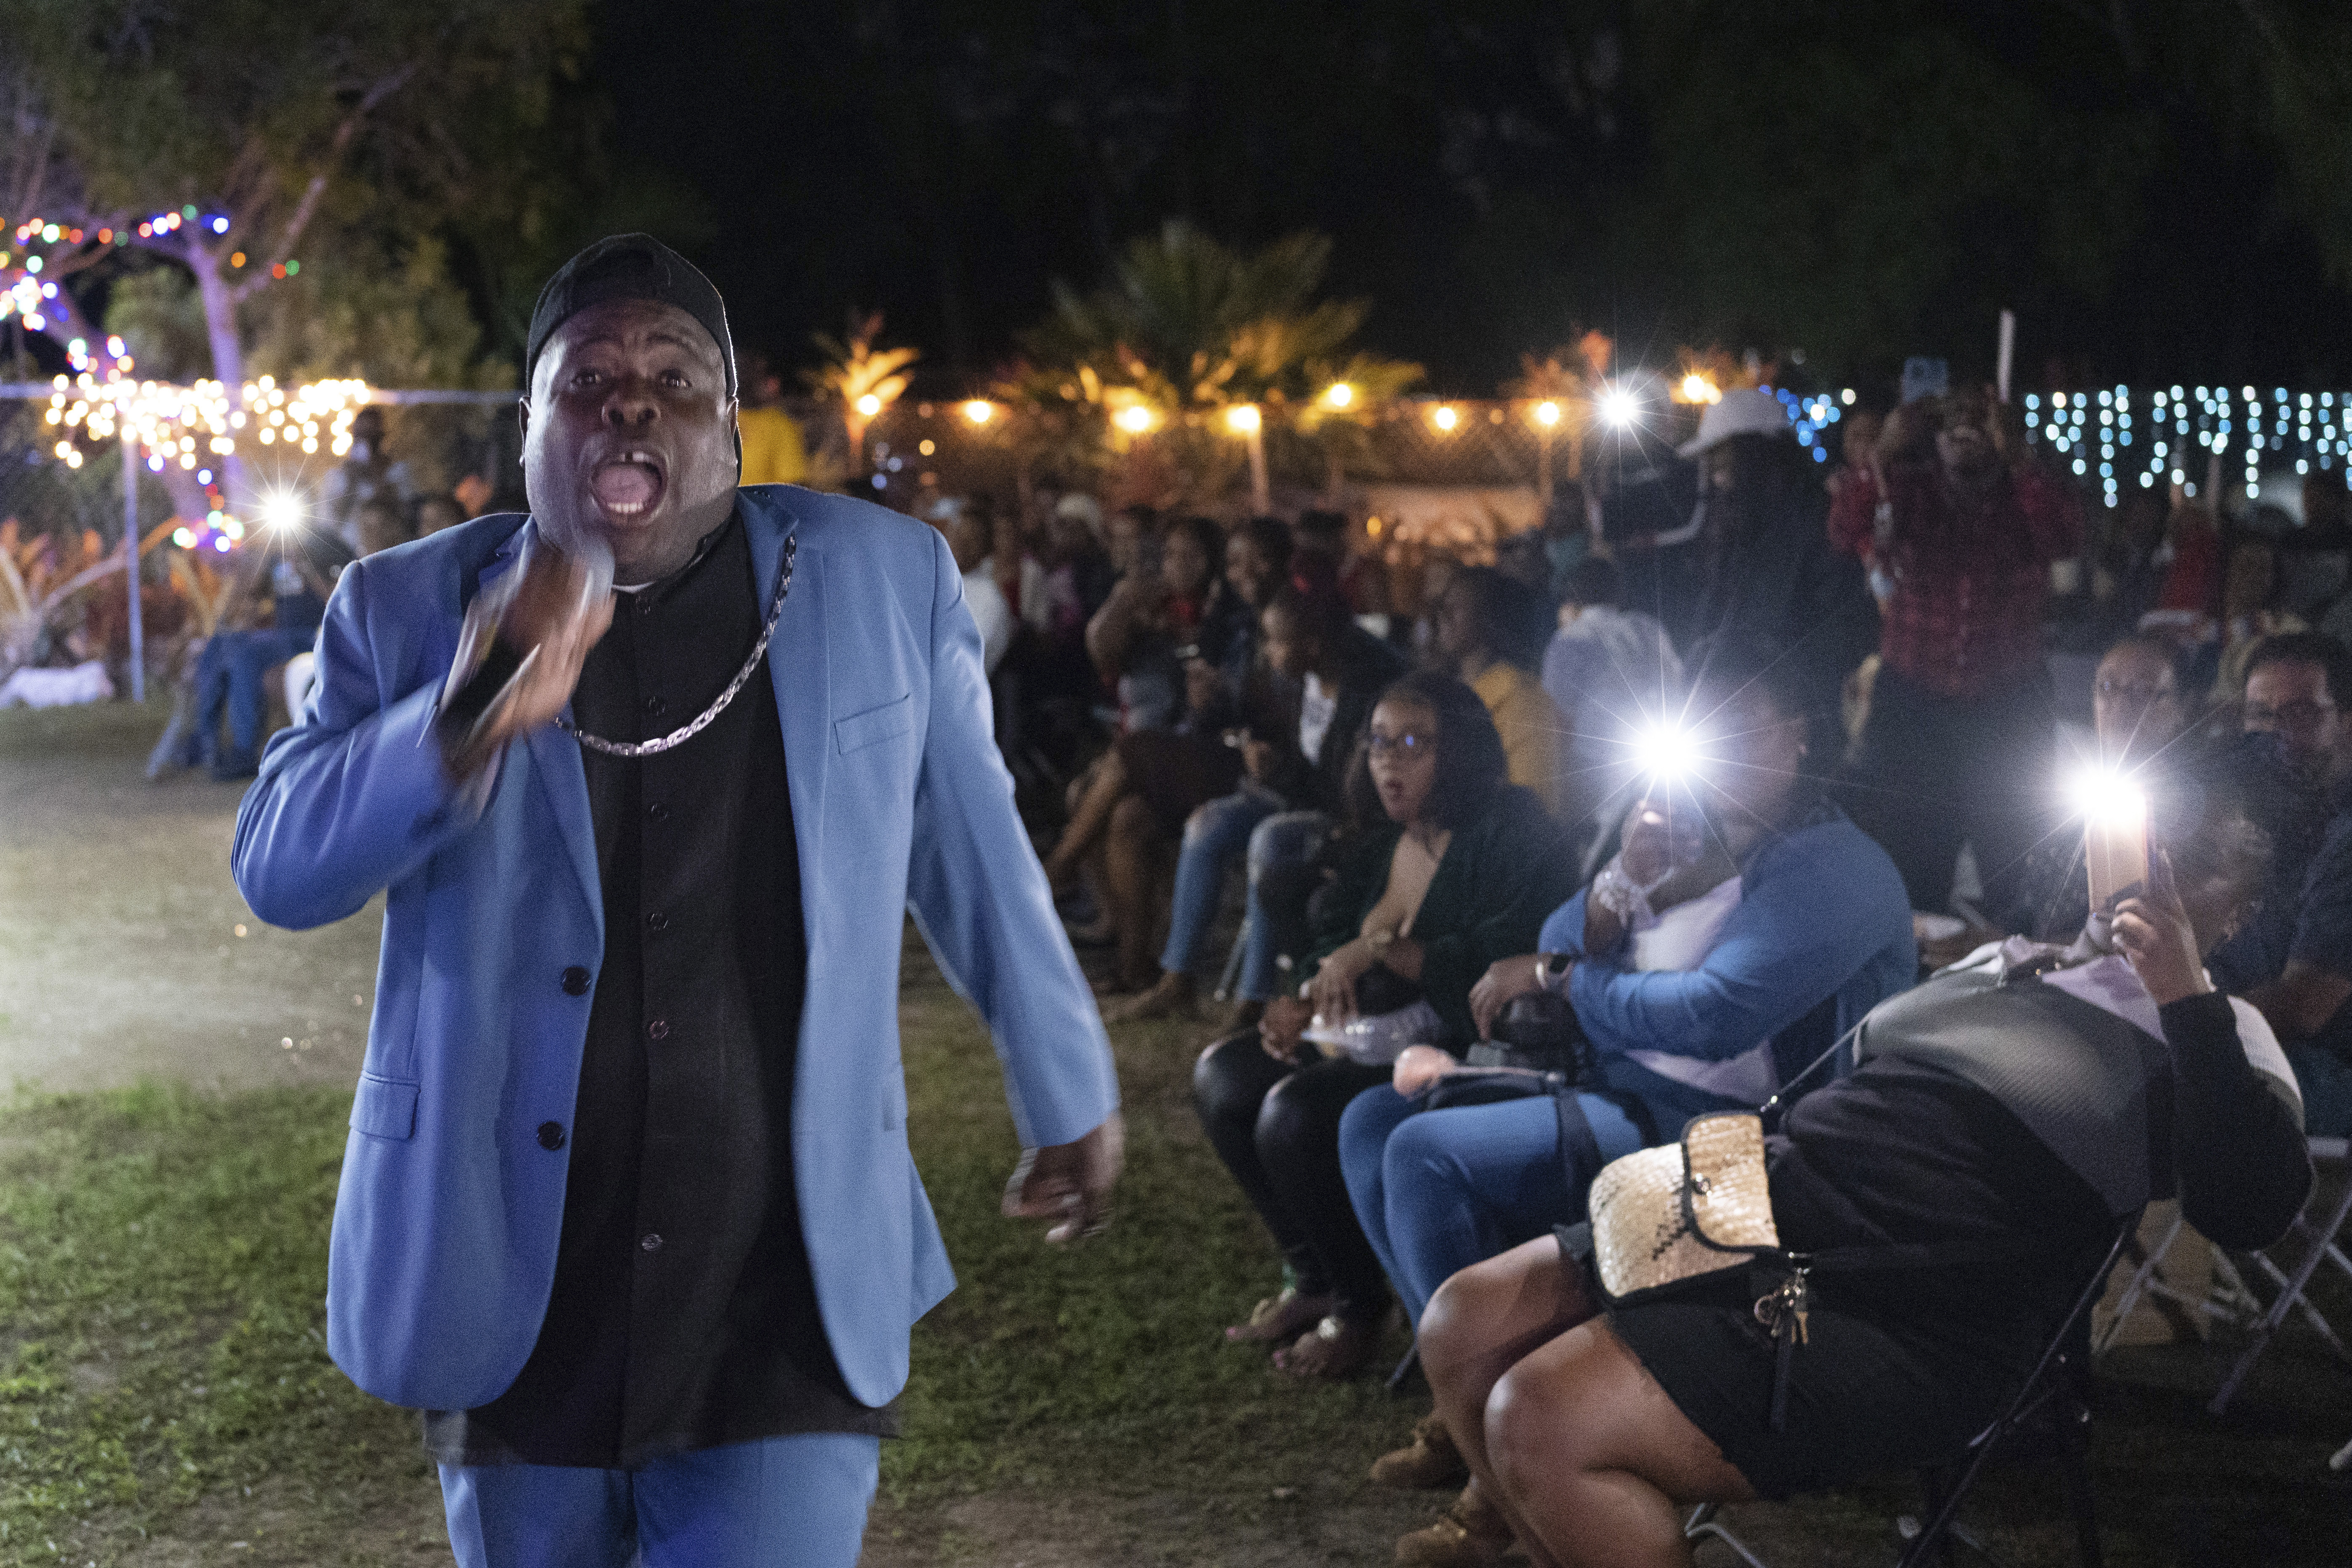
[2115,834]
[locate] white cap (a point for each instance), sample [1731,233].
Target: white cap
[1749,411]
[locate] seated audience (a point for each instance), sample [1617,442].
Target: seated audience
[1610,670]
[1979,1128]
[436,512]
[1454,868]
[2140,717]
[1140,792]
[1790,925]
[970,535]
[1278,820]
[1491,631]
[231,672]
[2292,958]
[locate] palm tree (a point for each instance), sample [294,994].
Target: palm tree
[1184,333]
[863,379]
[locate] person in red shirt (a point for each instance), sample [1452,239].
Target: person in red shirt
[1951,509]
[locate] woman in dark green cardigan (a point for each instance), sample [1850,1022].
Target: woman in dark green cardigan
[1453,868]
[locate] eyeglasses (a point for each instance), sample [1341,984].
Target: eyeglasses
[2298,715]
[1406,745]
[2110,687]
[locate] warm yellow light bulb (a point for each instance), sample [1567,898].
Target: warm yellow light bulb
[1547,412]
[979,411]
[1134,419]
[869,406]
[1446,417]
[1244,419]
[1340,394]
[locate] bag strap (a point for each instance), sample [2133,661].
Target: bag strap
[1578,1146]
[1776,1104]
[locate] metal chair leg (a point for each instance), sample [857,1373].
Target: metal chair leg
[2289,1296]
[1703,1524]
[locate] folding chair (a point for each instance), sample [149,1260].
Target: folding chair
[2229,1301]
[2049,1402]
[2320,1244]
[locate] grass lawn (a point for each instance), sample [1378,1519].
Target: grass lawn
[165,1396]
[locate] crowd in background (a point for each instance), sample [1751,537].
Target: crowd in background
[1666,796]
[1439,805]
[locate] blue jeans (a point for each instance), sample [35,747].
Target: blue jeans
[1275,839]
[1437,1191]
[781,1503]
[230,675]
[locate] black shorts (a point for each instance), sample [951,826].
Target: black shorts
[1873,1391]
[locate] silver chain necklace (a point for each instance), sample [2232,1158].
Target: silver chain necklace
[703,720]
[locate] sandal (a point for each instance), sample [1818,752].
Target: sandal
[1472,1534]
[1278,1318]
[1429,1462]
[1333,1350]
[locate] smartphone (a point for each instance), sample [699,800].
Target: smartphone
[2114,852]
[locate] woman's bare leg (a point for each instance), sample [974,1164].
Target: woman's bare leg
[1089,815]
[1127,854]
[1592,1459]
[1480,1323]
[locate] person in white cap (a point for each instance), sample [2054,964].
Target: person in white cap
[1765,565]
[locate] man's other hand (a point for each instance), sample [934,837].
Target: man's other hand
[553,617]
[1069,1183]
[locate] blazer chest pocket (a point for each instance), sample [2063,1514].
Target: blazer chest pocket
[385,1108]
[874,726]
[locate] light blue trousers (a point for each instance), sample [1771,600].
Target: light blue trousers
[1251,820]
[781,1502]
[1437,1191]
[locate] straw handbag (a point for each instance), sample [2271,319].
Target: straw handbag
[1700,1205]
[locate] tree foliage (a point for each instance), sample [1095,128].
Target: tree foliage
[1185,328]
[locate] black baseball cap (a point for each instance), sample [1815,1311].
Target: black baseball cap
[628,266]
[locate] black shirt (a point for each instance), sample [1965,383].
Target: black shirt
[682,1315]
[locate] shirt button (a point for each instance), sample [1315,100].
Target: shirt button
[657,922]
[550,1134]
[656,707]
[658,812]
[658,1029]
[644,604]
[575,981]
[650,1242]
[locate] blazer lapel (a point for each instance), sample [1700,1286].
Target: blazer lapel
[796,672]
[555,760]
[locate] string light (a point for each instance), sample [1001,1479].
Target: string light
[1547,413]
[1446,416]
[979,411]
[1244,419]
[1134,419]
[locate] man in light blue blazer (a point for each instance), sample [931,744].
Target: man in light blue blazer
[628,1206]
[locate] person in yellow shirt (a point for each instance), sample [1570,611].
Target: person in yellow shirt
[1491,630]
[773,450]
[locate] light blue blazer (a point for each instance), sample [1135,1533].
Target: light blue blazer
[446,1220]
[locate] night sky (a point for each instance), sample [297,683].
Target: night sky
[1871,182]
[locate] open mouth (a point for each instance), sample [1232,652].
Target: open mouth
[629,484]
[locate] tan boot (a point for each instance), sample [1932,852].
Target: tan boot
[1428,1463]
[1473,1534]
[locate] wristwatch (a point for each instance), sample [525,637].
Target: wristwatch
[1551,968]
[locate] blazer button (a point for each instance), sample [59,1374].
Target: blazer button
[650,1242]
[550,1134]
[658,812]
[657,922]
[575,981]
[656,707]
[658,1029]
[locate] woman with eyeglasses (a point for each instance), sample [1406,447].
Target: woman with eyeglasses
[1451,867]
